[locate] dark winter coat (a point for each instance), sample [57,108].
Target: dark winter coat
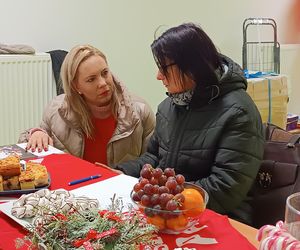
[216,143]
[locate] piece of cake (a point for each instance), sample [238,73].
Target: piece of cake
[39,172]
[1,183]
[11,183]
[26,179]
[10,166]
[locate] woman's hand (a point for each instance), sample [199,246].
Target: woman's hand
[39,140]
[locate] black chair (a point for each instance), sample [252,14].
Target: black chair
[57,58]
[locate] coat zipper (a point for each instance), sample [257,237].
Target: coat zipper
[176,140]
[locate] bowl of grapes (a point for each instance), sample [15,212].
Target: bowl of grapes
[167,200]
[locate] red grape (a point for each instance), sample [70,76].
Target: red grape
[178,189]
[154,199]
[148,189]
[180,179]
[171,205]
[140,193]
[162,180]
[156,189]
[146,172]
[154,181]
[163,199]
[145,200]
[143,182]
[169,172]
[171,183]
[157,172]
[137,187]
[179,197]
[136,197]
[163,189]
[147,165]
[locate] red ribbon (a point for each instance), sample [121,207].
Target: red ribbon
[110,215]
[59,217]
[78,243]
[107,233]
[92,235]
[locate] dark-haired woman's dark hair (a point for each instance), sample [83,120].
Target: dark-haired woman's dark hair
[190,48]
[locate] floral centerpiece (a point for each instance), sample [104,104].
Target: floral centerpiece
[88,229]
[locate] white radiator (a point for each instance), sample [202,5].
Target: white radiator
[26,85]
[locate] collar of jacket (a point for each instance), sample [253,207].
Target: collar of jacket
[231,80]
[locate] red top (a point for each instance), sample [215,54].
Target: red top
[95,148]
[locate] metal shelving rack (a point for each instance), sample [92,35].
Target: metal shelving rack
[260,55]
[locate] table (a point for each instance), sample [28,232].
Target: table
[247,231]
[64,168]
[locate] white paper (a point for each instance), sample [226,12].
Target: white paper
[103,191]
[51,150]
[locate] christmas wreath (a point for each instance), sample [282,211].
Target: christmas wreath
[88,229]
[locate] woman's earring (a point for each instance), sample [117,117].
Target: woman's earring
[79,93]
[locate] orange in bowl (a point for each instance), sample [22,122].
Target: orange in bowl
[194,203]
[158,221]
[177,224]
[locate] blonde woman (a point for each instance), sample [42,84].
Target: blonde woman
[97,119]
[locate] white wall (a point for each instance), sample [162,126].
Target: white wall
[124,30]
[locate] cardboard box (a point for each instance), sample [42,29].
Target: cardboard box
[270,95]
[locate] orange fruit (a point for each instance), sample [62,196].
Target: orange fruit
[178,223]
[193,202]
[157,221]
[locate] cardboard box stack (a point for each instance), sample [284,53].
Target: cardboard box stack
[270,95]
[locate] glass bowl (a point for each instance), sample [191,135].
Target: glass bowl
[176,221]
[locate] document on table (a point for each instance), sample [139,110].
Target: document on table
[51,150]
[103,191]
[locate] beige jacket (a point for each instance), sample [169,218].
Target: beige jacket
[135,125]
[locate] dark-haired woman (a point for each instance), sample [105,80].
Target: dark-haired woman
[208,128]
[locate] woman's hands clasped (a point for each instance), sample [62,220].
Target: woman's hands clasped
[39,140]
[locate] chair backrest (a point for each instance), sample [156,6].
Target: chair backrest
[57,58]
[278,177]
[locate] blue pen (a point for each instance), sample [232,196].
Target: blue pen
[84,179]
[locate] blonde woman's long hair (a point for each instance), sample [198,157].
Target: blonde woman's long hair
[75,101]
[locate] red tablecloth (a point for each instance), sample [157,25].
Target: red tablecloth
[65,168]
[211,226]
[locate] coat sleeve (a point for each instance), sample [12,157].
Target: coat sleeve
[237,160]
[148,120]
[134,167]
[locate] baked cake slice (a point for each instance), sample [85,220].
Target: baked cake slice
[10,166]
[11,183]
[26,179]
[39,172]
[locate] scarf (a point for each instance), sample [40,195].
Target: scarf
[183,98]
